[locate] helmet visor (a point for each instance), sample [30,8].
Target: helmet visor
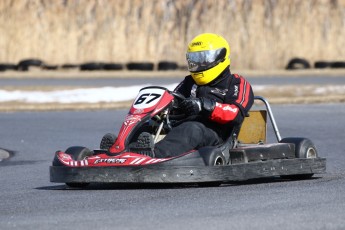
[204,60]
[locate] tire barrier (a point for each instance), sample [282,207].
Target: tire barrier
[91,66]
[25,64]
[70,66]
[165,65]
[7,66]
[301,63]
[112,66]
[338,64]
[50,67]
[298,63]
[144,66]
[322,64]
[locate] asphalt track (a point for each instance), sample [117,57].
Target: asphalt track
[115,82]
[29,201]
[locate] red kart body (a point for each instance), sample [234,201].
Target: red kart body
[291,157]
[150,102]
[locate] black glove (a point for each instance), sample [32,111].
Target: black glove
[191,106]
[194,106]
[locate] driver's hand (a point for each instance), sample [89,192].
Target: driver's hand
[191,106]
[194,106]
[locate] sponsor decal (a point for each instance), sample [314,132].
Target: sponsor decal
[236,91]
[219,91]
[227,107]
[110,161]
[138,111]
[131,119]
[230,109]
[196,44]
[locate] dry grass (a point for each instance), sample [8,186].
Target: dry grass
[263,34]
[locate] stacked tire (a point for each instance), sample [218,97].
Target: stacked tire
[301,63]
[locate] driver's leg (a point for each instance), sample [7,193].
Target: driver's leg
[185,137]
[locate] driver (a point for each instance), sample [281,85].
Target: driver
[216,100]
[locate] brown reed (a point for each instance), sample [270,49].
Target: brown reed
[263,34]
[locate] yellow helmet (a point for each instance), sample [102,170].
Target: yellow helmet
[207,56]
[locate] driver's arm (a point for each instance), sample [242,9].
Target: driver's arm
[238,108]
[184,87]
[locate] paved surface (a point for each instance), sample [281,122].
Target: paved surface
[29,201]
[100,82]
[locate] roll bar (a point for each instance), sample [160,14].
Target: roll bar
[270,114]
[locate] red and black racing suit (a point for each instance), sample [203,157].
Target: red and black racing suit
[234,97]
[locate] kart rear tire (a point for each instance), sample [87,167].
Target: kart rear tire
[304,148]
[213,158]
[78,153]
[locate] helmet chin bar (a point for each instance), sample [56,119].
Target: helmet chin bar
[207,76]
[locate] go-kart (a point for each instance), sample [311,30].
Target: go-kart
[245,155]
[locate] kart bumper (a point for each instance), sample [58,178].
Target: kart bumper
[161,173]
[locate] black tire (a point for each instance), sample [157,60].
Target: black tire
[78,153]
[322,64]
[338,65]
[70,66]
[298,63]
[165,65]
[50,67]
[91,66]
[107,141]
[304,148]
[56,161]
[25,64]
[212,156]
[145,66]
[6,66]
[112,66]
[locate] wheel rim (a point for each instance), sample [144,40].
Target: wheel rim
[311,153]
[219,161]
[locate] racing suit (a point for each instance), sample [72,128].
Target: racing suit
[232,96]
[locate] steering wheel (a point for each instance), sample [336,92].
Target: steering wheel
[178,95]
[177,114]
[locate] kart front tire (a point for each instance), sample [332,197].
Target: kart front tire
[304,148]
[78,153]
[107,141]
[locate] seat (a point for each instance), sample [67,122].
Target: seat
[252,131]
